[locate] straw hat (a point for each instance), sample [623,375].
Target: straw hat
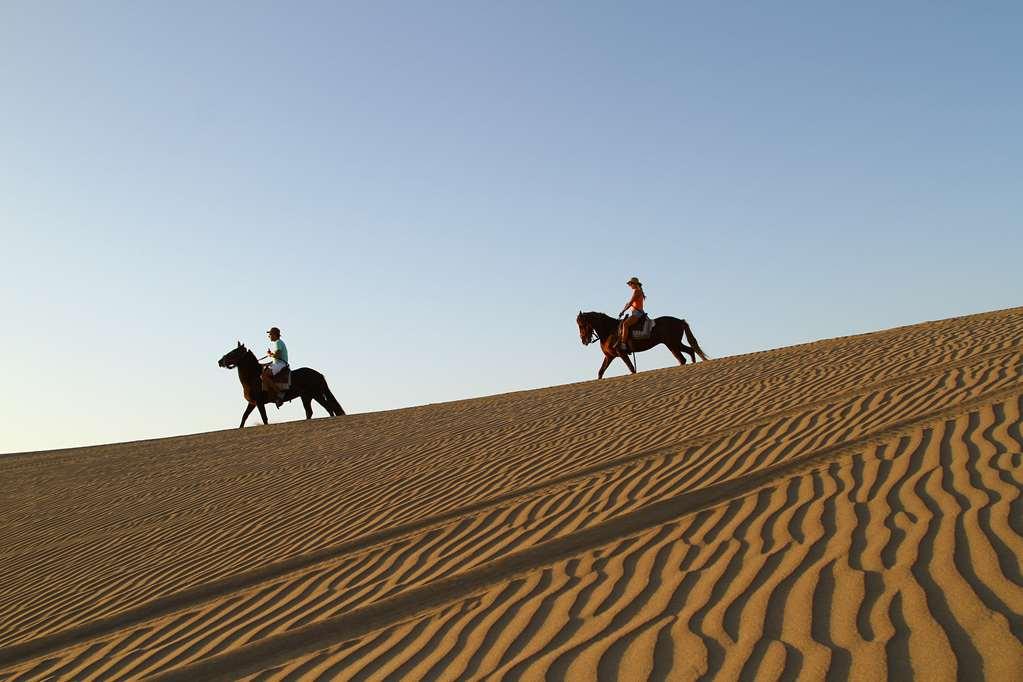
[635,280]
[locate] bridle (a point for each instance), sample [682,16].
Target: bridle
[593,336]
[234,362]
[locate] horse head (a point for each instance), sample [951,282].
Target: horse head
[586,331]
[234,357]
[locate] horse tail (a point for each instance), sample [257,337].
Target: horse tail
[331,402]
[691,340]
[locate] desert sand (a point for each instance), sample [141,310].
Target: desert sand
[849,508]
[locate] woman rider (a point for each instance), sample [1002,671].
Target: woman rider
[635,308]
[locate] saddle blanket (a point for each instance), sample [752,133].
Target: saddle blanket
[643,331]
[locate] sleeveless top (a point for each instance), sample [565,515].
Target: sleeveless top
[636,303]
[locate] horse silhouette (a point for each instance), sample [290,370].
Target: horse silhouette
[306,383]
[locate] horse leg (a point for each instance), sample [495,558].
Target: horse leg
[262,412]
[628,362]
[245,414]
[683,348]
[677,345]
[322,401]
[331,404]
[676,350]
[327,405]
[307,403]
[603,367]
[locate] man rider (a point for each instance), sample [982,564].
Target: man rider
[279,352]
[635,305]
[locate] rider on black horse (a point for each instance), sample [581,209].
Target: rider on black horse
[277,374]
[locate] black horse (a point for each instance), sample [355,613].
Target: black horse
[667,330]
[307,384]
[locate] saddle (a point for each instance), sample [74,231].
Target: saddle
[643,330]
[281,381]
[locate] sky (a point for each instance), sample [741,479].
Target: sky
[422,196]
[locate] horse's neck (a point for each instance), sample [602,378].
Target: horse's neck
[605,325]
[248,367]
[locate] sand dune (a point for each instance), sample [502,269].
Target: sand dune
[847,508]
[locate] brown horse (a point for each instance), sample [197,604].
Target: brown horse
[307,384]
[670,331]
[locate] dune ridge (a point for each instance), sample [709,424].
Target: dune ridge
[663,525]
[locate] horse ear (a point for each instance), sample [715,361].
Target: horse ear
[239,344]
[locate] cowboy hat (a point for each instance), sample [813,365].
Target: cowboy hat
[635,280]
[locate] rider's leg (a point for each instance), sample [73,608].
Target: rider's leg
[278,393]
[627,324]
[269,386]
[283,381]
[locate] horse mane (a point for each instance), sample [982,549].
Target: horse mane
[599,315]
[248,359]
[601,323]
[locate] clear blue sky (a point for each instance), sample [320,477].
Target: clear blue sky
[423,195]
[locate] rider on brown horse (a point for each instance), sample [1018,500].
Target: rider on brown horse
[608,332]
[635,305]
